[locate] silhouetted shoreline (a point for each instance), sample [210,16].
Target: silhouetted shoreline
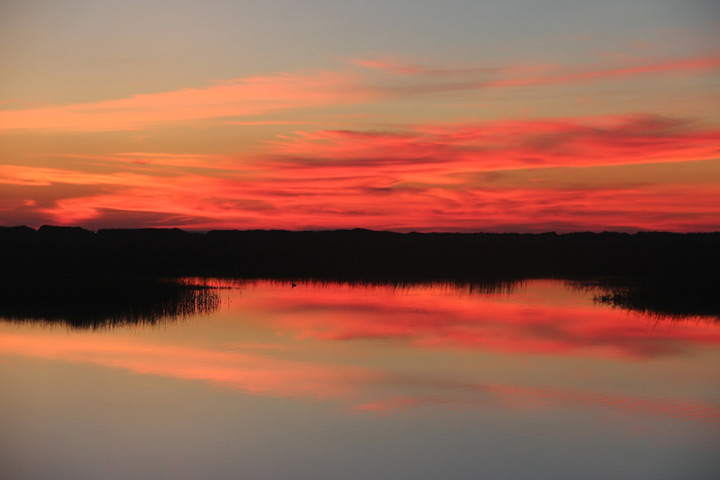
[87,301]
[663,273]
[357,254]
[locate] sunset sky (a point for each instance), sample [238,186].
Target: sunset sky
[405,115]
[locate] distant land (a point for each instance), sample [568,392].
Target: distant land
[357,254]
[667,273]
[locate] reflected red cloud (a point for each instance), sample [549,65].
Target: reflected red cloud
[434,317]
[354,387]
[250,373]
[335,325]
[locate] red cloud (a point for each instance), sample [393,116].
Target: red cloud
[487,177]
[507,144]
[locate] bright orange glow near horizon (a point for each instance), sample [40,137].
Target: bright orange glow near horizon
[604,128]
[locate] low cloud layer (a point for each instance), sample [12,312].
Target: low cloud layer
[623,173]
[380,144]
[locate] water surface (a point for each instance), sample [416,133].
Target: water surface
[358,381]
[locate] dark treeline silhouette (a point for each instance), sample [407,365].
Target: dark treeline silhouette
[358,254]
[681,269]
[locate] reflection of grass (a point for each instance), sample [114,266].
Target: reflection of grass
[670,298]
[86,301]
[96,301]
[109,274]
[499,286]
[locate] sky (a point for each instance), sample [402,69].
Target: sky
[471,116]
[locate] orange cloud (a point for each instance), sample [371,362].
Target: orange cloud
[43,176]
[241,97]
[289,91]
[399,67]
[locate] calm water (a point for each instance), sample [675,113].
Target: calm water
[363,382]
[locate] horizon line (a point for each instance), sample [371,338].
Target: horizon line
[357,229]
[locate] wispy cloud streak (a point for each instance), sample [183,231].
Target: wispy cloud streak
[510,144]
[375,80]
[240,97]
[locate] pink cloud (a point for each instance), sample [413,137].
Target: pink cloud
[400,67]
[687,65]
[489,76]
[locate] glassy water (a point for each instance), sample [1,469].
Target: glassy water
[332,381]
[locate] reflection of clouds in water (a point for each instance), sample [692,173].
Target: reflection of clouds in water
[249,373]
[296,335]
[439,318]
[532,398]
[359,389]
